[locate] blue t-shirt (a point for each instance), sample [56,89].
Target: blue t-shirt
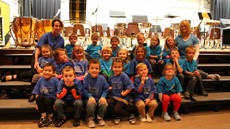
[60,66]
[114,52]
[120,83]
[95,87]
[169,86]
[54,42]
[69,49]
[42,61]
[190,66]
[134,63]
[144,91]
[106,66]
[182,45]
[94,51]
[155,51]
[126,68]
[45,87]
[69,97]
[80,67]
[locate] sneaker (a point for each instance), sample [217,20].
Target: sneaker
[186,95]
[117,120]
[132,119]
[59,123]
[76,122]
[176,116]
[142,119]
[49,121]
[32,98]
[42,122]
[91,123]
[215,77]
[149,118]
[166,116]
[204,93]
[101,122]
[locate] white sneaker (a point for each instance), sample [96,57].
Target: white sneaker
[215,77]
[117,120]
[148,118]
[166,116]
[142,119]
[91,123]
[176,116]
[101,122]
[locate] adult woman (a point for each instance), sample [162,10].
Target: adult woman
[54,39]
[186,38]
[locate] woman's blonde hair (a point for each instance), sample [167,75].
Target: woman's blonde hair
[187,23]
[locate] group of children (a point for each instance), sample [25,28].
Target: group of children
[101,78]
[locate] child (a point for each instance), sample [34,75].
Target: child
[169,89]
[140,58]
[124,55]
[93,50]
[61,58]
[141,42]
[68,93]
[120,86]
[114,41]
[95,91]
[106,62]
[169,45]
[45,92]
[178,64]
[192,74]
[145,90]
[80,63]
[72,41]
[155,56]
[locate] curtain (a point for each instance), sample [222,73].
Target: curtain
[221,9]
[42,9]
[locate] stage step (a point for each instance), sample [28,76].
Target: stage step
[15,84]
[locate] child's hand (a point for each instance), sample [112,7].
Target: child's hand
[147,101]
[167,57]
[110,88]
[197,73]
[102,100]
[143,79]
[36,107]
[39,69]
[92,100]
[160,96]
[123,93]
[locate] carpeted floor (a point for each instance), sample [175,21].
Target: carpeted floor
[193,120]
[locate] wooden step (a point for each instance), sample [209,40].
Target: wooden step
[14,67]
[15,84]
[223,65]
[16,106]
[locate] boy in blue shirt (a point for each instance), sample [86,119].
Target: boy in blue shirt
[68,93]
[72,41]
[106,62]
[192,74]
[95,92]
[45,95]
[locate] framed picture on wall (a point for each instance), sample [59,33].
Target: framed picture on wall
[2,41]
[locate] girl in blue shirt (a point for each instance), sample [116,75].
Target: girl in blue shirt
[80,63]
[114,41]
[145,90]
[124,55]
[120,87]
[155,56]
[72,41]
[45,94]
[93,50]
[169,45]
[169,89]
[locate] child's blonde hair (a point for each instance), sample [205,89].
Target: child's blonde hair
[139,34]
[67,69]
[57,52]
[156,37]
[106,48]
[166,43]
[141,65]
[78,49]
[73,35]
[190,48]
[127,54]
[166,66]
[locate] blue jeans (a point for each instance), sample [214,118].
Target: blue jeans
[61,104]
[91,109]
